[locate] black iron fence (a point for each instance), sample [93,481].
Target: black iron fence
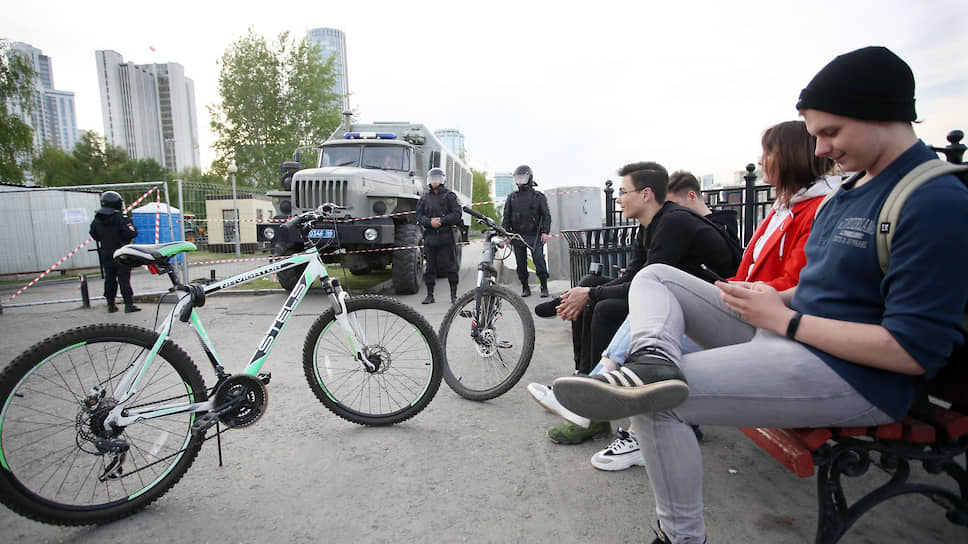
[607,250]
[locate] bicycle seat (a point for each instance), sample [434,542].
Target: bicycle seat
[151,254]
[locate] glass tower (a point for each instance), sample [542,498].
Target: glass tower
[333,44]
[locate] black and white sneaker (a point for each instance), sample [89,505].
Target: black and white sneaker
[648,382]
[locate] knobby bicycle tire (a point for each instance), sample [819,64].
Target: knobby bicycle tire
[399,341]
[50,469]
[485,369]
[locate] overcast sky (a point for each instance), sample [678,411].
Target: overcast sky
[574,89]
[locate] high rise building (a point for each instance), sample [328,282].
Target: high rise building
[149,110]
[332,42]
[52,116]
[503,184]
[453,140]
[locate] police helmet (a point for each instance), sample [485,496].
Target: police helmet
[111,199]
[523,175]
[436,173]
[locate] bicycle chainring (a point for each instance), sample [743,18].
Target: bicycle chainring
[251,395]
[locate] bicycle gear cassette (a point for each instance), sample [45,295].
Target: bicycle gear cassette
[244,398]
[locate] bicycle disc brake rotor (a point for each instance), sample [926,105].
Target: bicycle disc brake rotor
[379,357]
[251,395]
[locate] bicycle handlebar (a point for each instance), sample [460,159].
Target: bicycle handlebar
[487,221]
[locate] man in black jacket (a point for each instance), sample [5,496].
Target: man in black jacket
[526,213]
[437,212]
[112,230]
[669,234]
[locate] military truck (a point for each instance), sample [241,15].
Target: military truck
[374,173]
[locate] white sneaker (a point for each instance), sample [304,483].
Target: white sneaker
[546,398]
[623,453]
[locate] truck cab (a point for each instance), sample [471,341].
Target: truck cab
[375,174]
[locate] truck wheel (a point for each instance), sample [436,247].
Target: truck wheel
[407,263]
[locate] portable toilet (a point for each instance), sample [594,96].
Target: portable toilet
[144,220]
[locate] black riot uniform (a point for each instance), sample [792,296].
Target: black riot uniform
[113,230]
[440,246]
[526,213]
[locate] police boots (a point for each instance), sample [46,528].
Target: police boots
[430,295]
[544,287]
[525,289]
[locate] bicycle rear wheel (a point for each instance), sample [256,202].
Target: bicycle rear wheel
[399,341]
[51,466]
[489,365]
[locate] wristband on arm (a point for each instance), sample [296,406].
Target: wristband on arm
[791,331]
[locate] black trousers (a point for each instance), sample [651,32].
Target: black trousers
[441,262]
[537,255]
[594,327]
[114,275]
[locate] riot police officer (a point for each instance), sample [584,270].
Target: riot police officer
[526,213]
[438,210]
[112,230]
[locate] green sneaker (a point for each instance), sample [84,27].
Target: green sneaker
[569,433]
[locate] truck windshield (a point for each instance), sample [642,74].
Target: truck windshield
[386,157]
[340,155]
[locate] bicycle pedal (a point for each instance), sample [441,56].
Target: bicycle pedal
[466,313]
[265,377]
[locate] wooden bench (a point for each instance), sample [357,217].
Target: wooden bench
[935,435]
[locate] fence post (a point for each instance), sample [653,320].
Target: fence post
[609,204]
[85,297]
[749,204]
[954,152]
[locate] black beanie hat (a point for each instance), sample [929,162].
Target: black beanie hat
[872,84]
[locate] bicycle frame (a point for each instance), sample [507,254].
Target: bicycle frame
[315,269]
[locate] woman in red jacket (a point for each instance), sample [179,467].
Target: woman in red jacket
[775,253]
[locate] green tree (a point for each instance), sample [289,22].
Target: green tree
[482,193]
[275,97]
[16,98]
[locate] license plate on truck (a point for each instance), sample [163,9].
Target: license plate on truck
[322,233]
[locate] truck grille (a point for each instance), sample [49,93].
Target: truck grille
[310,193]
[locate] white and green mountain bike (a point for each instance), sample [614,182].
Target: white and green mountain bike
[99,421]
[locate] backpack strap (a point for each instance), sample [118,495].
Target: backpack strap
[891,210]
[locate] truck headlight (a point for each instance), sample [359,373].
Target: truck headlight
[370,234]
[269,233]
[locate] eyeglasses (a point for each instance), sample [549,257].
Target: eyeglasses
[623,192]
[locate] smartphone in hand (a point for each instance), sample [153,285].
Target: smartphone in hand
[711,274]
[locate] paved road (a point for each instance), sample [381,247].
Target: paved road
[458,472]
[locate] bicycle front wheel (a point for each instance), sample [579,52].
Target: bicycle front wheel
[401,345]
[57,463]
[488,362]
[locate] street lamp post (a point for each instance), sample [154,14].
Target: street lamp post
[235,207]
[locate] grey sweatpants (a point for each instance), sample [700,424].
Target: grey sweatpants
[744,377]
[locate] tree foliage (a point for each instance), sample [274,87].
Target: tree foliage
[16,98]
[93,162]
[275,97]
[482,193]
